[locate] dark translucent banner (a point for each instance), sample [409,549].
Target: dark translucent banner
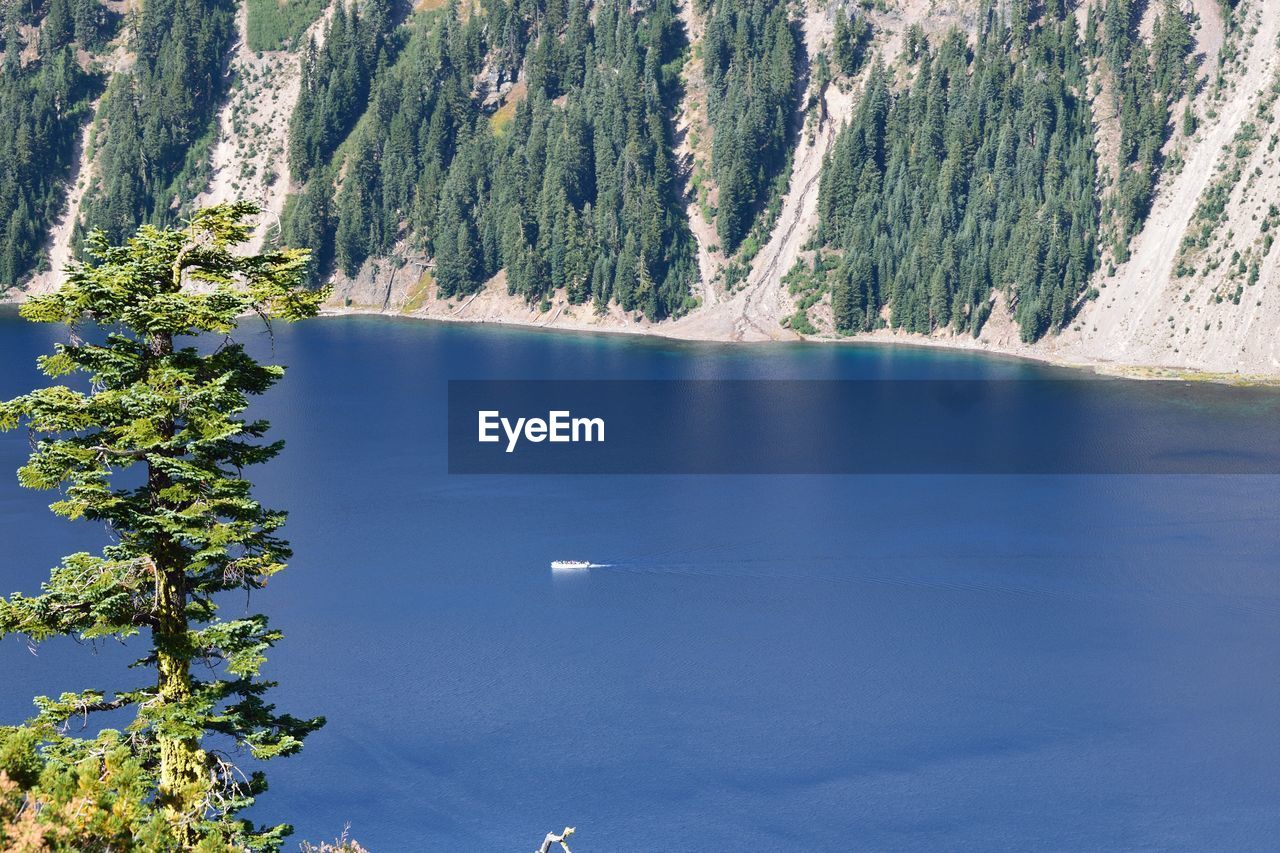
[1089,426]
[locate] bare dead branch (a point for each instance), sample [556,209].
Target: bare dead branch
[560,839]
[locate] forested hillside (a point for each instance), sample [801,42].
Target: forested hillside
[950,168]
[982,174]
[44,100]
[156,121]
[532,138]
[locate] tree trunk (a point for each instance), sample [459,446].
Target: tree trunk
[183,776]
[183,779]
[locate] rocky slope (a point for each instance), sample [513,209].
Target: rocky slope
[1214,307]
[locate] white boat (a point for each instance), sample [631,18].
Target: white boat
[570,564]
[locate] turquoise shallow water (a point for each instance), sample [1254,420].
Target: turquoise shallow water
[773,663]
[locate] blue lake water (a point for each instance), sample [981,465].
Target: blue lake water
[774,663]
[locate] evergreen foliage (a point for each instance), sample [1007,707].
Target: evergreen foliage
[43,105]
[276,25]
[335,82]
[1147,81]
[750,58]
[979,176]
[307,220]
[155,448]
[84,22]
[100,801]
[577,192]
[849,40]
[157,120]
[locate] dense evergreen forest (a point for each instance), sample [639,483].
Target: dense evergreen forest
[156,122]
[44,102]
[980,174]
[568,182]
[750,57]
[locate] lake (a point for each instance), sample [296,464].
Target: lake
[772,662]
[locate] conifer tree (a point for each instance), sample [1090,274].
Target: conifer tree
[155,448]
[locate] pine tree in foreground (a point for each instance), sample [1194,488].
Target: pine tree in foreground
[155,450]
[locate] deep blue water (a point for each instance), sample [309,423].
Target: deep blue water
[776,663]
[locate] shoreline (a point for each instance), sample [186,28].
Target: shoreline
[877,339]
[9,306]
